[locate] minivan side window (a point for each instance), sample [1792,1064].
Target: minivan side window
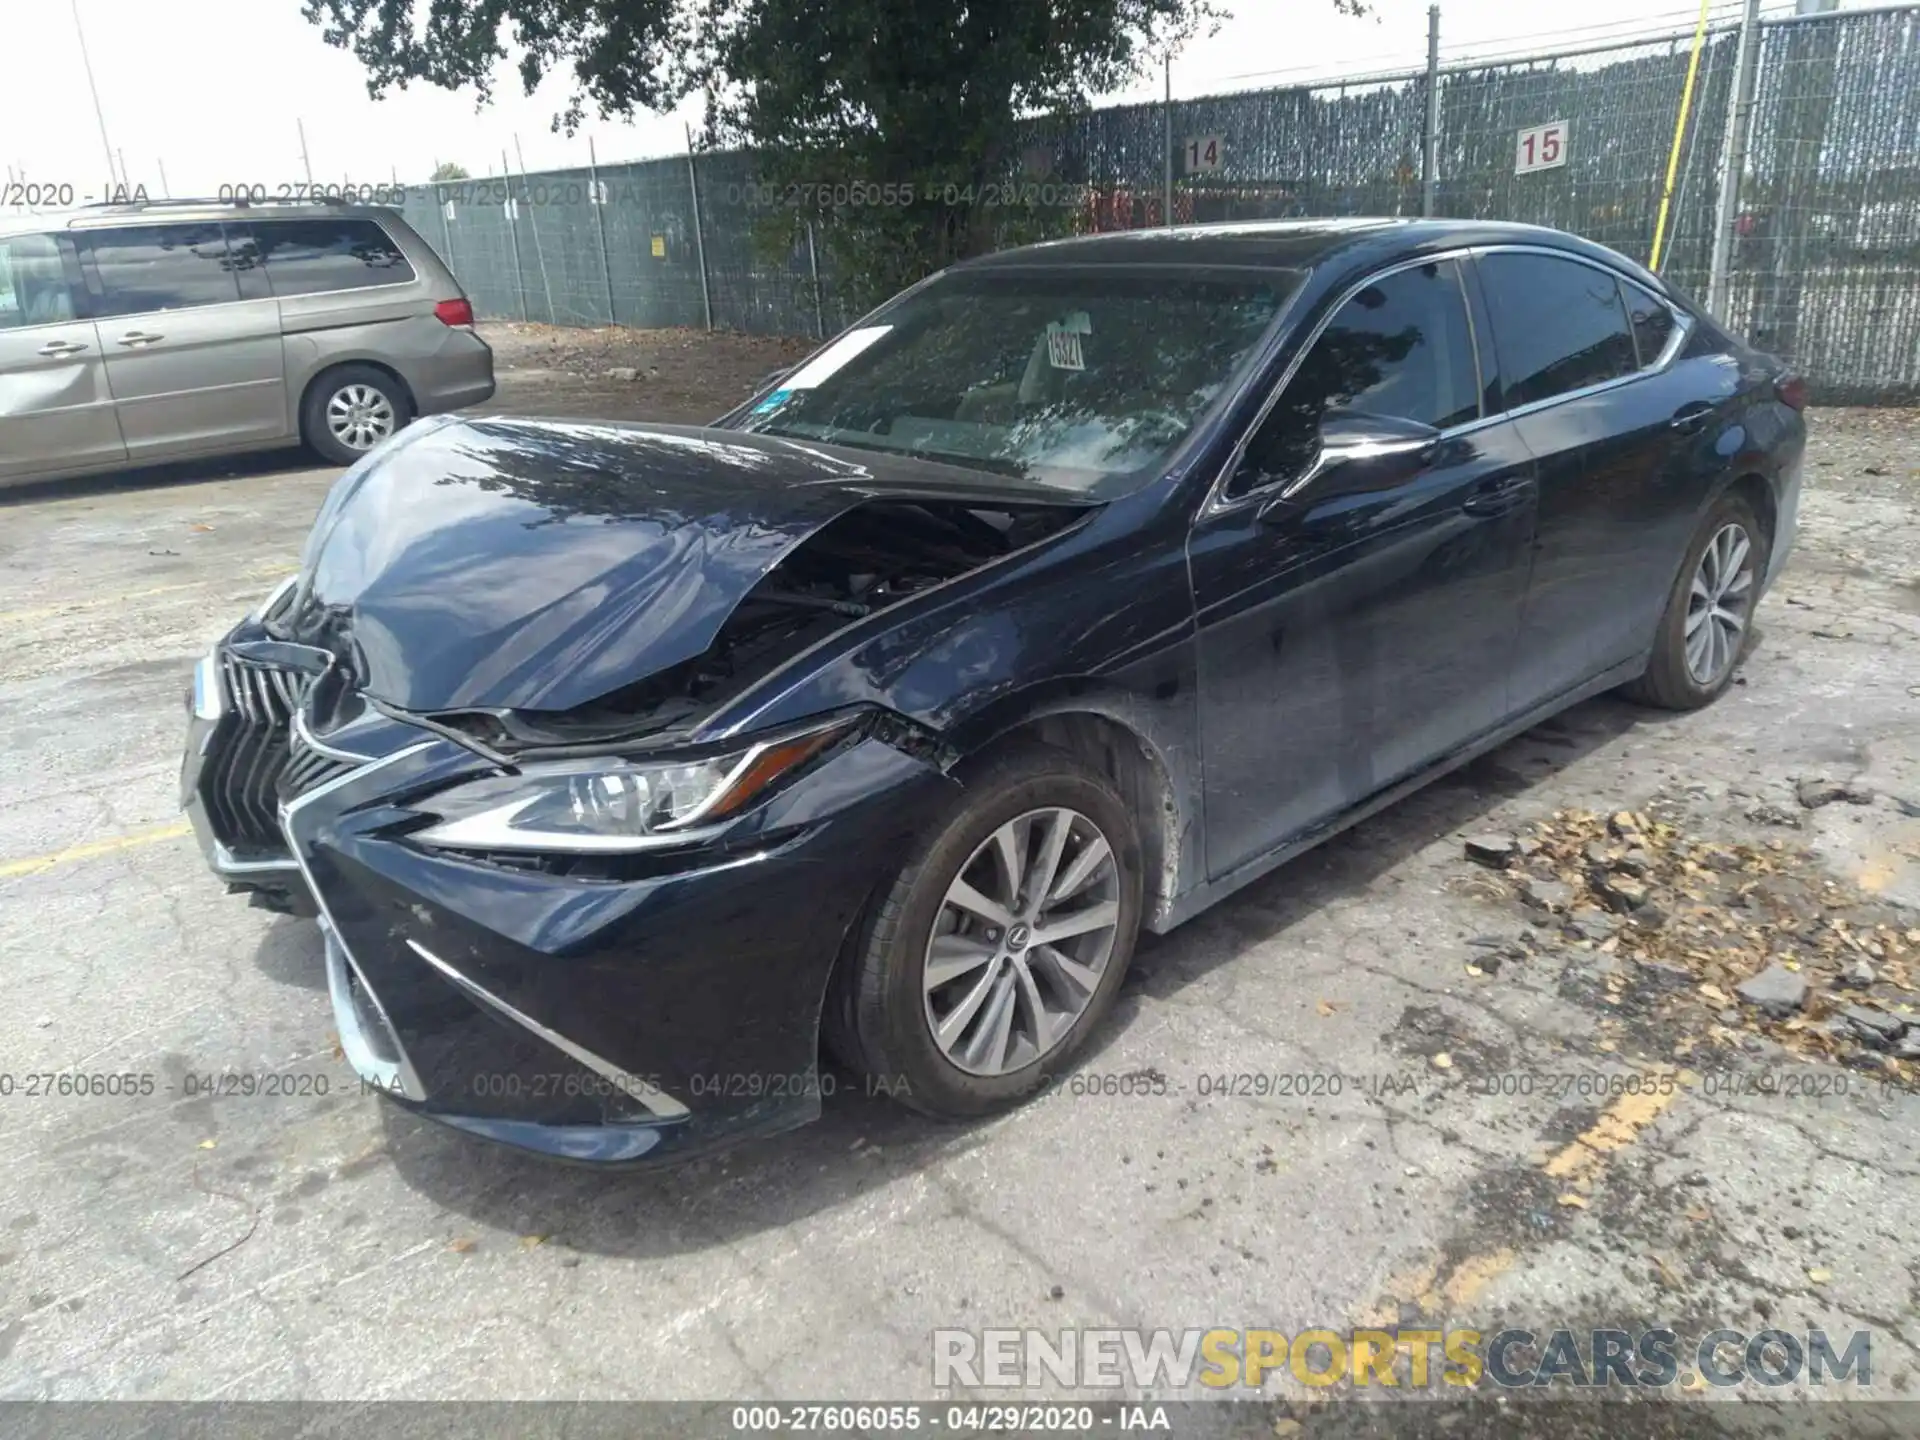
[1400,347]
[1558,325]
[1652,320]
[306,257]
[33,283]
[140,269]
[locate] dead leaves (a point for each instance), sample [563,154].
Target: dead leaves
[1645,892]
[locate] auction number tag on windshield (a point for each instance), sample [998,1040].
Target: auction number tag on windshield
[1063,341]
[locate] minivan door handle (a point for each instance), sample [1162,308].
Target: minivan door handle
[140,337]
[55,348]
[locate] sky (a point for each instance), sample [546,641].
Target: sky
[217,93]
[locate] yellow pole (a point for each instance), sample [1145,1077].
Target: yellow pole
[1679,135]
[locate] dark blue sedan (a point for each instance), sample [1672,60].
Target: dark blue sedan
[1061,596]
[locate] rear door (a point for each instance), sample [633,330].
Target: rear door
[56,413]
[194,363]
[1603,419]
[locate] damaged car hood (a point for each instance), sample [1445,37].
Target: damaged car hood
[513,564]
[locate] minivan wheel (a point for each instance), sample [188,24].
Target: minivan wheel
[1708,619]
[350,410]
[981,970]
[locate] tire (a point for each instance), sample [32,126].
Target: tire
[880,1016]
[363,390]
[1672,680]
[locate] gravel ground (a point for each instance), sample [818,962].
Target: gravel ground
[1483,1164]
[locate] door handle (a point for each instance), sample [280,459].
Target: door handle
[54,348]
[1498,497]
[140,337]
[1691,416]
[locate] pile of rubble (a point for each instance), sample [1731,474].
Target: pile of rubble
[1754,936]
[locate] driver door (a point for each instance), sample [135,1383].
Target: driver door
[1359,579]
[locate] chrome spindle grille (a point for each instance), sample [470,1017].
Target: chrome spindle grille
[306,768]
[260,762]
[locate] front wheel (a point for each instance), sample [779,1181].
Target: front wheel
[999,946]
[1709,614]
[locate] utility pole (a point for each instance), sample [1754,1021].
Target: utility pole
[93,89]
[1430,150]
[305,163]
[1746,68]
[533,224]
[1166,188]
[511,213]
[600,224]
[699,239]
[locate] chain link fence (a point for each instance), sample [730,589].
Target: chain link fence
[1826,251]
[1824,265]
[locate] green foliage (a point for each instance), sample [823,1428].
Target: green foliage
[930,99]
[448,170]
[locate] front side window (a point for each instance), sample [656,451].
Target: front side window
[33,283]
[306,257]
[1401,347]
[1077,378]
[140,269]
[1558,325]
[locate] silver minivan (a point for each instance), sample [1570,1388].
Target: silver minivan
[171,330]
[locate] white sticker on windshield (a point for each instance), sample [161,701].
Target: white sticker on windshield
[1063,349]
[833,357]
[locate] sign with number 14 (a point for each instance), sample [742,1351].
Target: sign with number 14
[1544,147]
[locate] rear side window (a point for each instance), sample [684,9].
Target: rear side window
[139,269]
[33,283]
[1400,347]
[306,257]
[1652,319]
[1558,325]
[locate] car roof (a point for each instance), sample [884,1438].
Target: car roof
[152,212]
[1295,244]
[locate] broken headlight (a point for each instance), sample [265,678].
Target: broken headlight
[611,806]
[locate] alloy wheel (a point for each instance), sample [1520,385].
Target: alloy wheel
[1719,605]
[359,416]
[1021,942]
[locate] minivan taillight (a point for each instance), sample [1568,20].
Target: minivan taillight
[454,312]
[1792,391]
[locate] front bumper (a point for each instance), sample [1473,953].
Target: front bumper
[601,1015]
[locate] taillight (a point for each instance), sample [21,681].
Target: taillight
[1792,392]
[454,312]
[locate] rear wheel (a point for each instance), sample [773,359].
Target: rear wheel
[999,946]
[352,408]
[1709,615]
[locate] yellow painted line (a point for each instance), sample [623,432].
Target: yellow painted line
[36,863]
[1619,1126]
[47,612]
[1578,1164]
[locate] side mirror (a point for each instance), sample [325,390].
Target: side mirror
[1359,452]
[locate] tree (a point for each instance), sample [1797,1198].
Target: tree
[448,170]
[932,100]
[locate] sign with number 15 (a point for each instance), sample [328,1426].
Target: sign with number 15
[1544,147]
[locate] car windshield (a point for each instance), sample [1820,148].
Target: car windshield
[1076,379]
